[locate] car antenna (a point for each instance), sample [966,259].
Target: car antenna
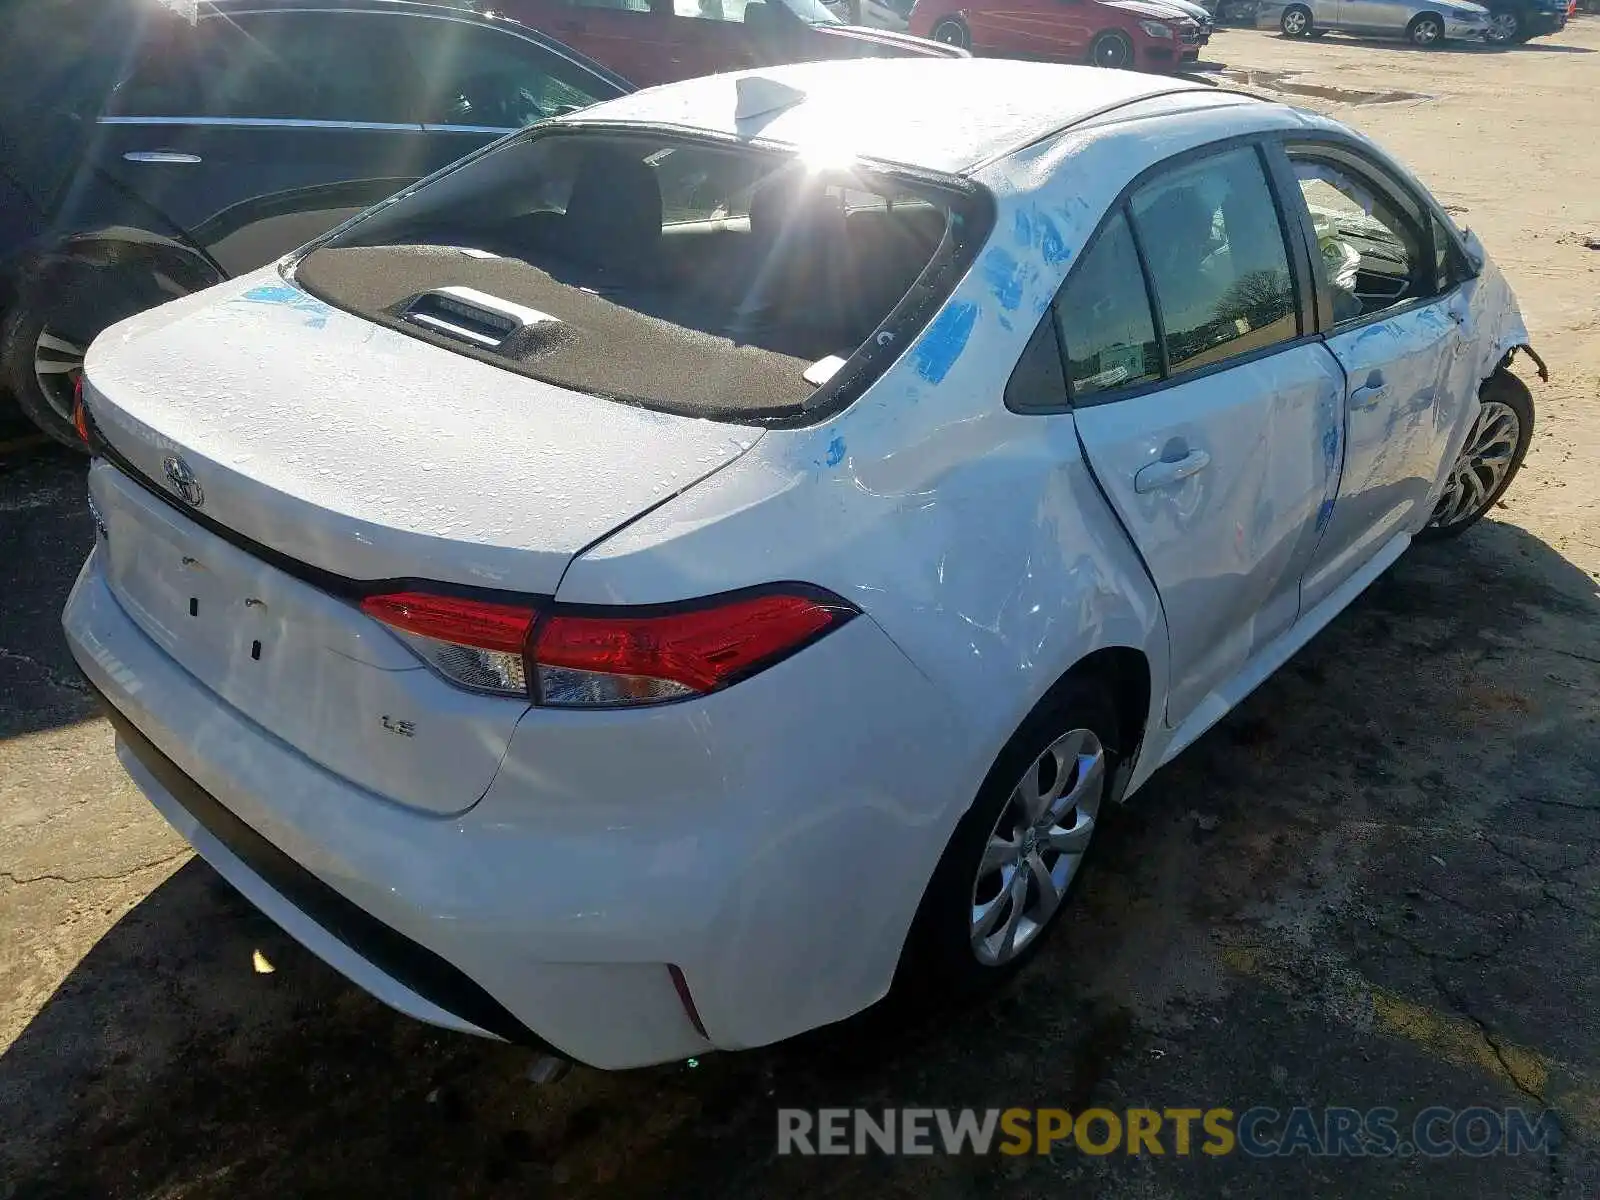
[758,96]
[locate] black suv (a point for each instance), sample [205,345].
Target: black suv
[147,152]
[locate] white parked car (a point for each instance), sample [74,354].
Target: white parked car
[703,559]
[893,15]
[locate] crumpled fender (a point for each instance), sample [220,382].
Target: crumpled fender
[1497,309]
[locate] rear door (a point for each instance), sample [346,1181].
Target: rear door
[255,132]
[1057,29]
[624,36]
[1204,405]
[1395,308]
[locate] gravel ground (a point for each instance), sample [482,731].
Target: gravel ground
[1376,883]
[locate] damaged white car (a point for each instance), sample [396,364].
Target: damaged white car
[711,558]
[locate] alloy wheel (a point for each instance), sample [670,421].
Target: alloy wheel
[1426,32]
[57,363]
[1294,22]
[1482,466]
[1036,846]
[951,34]
[1503,28]
[1112,51]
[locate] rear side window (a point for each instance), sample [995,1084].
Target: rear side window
[1104,316]
[695,277]
[1217,260]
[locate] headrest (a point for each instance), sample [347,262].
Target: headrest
[614,212]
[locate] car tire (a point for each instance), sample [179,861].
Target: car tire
[1504,25]
[1296,21]
[1112,50]
[1066,747]
[1316,34]
[27,343]
[952,32]
[1426,32]
[1489,459]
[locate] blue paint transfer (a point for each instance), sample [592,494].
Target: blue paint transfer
[1324,512]
[944,340]
[836,451]
[315,310]
[1003,274]
[1051,244]
[1024,229]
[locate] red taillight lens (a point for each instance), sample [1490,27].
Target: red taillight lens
[474,643]
[616,659]
[597,658]
[80,415]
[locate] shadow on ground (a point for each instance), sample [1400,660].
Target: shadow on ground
[1400,821]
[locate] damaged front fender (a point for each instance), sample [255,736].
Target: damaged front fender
[1496,313]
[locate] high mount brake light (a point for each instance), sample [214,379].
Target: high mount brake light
[596,657]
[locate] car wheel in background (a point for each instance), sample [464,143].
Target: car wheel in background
[1489,458]
[1010,865]
[1426,31]
[41,364]
[952,32]
[1111,49]
[1504,25]
[1296,21]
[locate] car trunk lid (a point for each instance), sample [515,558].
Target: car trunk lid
[278,459]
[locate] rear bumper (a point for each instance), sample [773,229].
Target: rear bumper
[772,842]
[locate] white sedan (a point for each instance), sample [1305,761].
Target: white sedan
[712,557]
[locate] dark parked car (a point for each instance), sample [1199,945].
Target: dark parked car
[649,42]
[144,155]
[1514,21]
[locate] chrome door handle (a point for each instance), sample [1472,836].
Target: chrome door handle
[1164,474]
[159,156]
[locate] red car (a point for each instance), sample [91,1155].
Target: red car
[662,41]
[1108,33]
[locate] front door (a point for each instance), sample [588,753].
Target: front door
[1396,334]
[1204,419]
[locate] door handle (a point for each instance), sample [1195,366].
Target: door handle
[1370,394]
[160,156]
[1164,474]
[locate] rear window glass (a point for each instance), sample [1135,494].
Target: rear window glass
[690,276]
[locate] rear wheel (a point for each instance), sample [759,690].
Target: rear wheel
[1489,460]
[1504,25]
[952,33]
[1296,21]
[1426,31]
[1009,867]
[41,364]
[1112,49]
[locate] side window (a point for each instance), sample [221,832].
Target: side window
[1217,260]
[711,10]
[1448,267]
[1103,314]
[482,76]
[285,66]
[1038,382]
[1375,249]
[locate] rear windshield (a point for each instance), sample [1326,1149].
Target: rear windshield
[692,276]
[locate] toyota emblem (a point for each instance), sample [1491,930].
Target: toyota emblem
[183,481]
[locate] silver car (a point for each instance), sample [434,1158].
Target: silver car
[1420,22]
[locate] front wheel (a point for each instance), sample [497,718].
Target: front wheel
[1112,50]
[1296,21]
[952,33]
[1427,31]
[1489,460]
[1008,869]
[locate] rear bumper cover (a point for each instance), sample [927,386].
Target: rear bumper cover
[772,842]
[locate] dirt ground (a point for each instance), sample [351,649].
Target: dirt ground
[1377,883]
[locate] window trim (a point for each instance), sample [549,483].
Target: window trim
[1378,173]
[1293,253]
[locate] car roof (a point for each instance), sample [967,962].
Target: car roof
[939,114]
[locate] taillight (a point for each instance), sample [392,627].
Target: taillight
[470,642]
[80,415]
[599,657]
